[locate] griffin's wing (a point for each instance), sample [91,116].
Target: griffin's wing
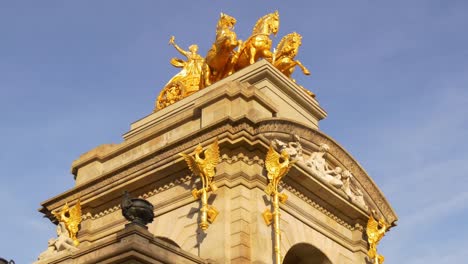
[272,162]
[372,227]
[285,169]
[75,217]
[212,158]
[57,215]
[191,164]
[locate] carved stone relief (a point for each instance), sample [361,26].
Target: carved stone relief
[55,245]
[317,165]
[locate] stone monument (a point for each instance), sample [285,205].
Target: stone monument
[226,141]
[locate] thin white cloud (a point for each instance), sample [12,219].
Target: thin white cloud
[430,214]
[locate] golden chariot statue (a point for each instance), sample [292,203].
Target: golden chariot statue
[223,59]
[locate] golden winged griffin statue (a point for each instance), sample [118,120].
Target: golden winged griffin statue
[277,166]
[228,55]
[375,232]
[71,217]
[203,164]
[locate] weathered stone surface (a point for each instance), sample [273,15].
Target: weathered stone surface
[134,244]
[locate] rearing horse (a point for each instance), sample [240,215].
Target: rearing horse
[283,58]
[285,53]
[258,45]
[222,51]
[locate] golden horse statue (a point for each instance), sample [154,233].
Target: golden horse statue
[258,45]
[286,51]
[220,55]
[283,57]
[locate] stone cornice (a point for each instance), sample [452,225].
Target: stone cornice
[229,160]
[266,70]
[317,206]
[262,128]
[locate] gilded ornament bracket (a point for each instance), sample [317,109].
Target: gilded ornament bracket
[203,164]
[277,166]
[375,231]
[71,217]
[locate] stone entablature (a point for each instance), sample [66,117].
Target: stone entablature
[227,126]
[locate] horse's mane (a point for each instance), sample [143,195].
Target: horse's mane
[222,19]
[282,41]
[262,20]
[285,39]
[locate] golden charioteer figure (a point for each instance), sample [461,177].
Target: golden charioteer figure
[187,81]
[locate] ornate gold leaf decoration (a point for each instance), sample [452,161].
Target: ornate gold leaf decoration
[71,217]
[375,232]
[203,164]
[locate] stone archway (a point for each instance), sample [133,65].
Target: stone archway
[303,253]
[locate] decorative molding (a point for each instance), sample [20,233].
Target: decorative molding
[317,206]
[145,195]
[241,157]
[230,160]
[152,161]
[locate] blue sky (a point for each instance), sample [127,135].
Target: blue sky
[392,75]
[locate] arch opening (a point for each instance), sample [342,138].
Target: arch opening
[303,253]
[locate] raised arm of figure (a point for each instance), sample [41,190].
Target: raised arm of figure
[179,49]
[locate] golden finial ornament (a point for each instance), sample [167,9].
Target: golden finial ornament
[277,166]
[203,164]
[375,232]
[71,217]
